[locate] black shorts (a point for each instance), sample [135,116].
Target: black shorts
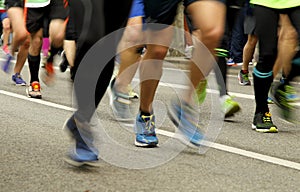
[35,16]
[13,3]
[164,12]
[71,25]
[249,25]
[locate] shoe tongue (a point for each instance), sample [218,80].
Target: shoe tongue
[147,118]
[268,114]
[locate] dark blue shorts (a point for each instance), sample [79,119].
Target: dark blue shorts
[3,16]
[137,9]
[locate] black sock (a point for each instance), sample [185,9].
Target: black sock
[221,78]
[145,113]
[261,90]
[52,52]
[34,66]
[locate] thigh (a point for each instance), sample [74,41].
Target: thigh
[287,31]
[295,19]
[207,15]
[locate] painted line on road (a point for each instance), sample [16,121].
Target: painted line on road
[217,146]
[43,102]
[243,152]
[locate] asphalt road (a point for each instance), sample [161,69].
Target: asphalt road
[33,146]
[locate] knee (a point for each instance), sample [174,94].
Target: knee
[26,42]
[288,34]
[133,36]
[6,26]
[20,36]
[210,37]
[35,44]
[157,52]
[57,39]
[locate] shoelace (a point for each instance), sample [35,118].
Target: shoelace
[267,117]
[149,127]
[245,77]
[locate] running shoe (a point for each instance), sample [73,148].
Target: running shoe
[5,49]
[262,122]
[7,63]
[34,90]
[243,78]
[230,62]
[184,118]
[64,62]
[229,106]
[280,96]
[120,104]
[270,101]
[131,93]
[48,76]
[145,131]
[18,80]
[291,94]
[44,61]
[84,152]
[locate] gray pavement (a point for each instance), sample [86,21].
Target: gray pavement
[33,146]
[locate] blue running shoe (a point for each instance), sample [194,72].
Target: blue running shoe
[84,152]
[145,131]
[18,80]
[230,62]
[6,65]
[270,101]
[184,118]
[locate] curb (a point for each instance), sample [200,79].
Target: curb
[182,63]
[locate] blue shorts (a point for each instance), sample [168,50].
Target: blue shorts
[3,16]
[137,9]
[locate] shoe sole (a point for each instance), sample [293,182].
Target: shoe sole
[19,85]
[145,145]
[83,163]
[270,130]
[34,97]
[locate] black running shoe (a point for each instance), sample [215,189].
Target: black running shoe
[262,122]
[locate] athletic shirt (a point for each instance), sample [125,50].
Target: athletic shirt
[2,6]
[277,4]
[37,3]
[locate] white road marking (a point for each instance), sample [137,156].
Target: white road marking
[242,152]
